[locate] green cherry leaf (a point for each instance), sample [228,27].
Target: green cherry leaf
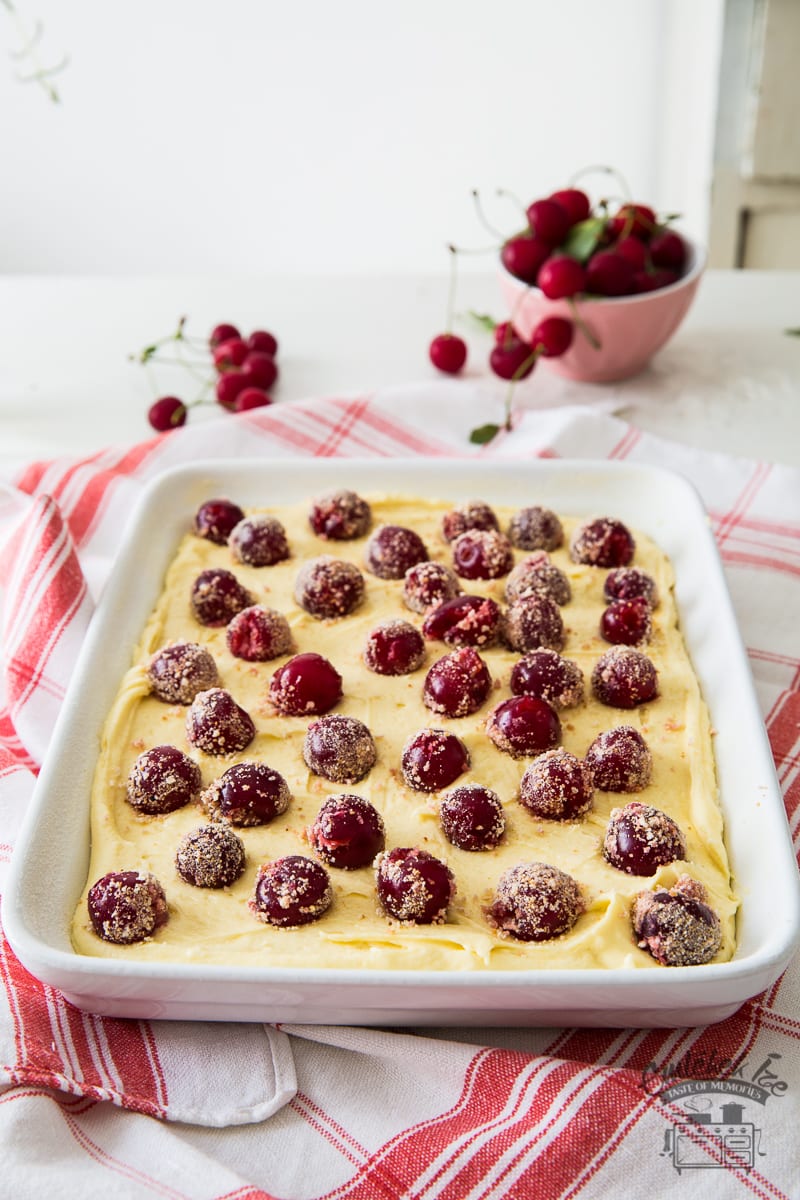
[483,434]
[792,332]
[582,239]
[483,320]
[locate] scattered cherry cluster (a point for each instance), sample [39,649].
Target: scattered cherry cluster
[243,371]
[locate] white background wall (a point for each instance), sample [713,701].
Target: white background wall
[324,136]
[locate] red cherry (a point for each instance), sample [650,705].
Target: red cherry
[513,359]
[633,249]
[504,332]
[448,353]
[668,249]
[561,277]
[549,221]
[231,354]
[524,725]
[627,622]
[552,337]
[636,220]
[251,397]
[307,685]
[222,333]
[609,274]
[523,255]
[228,388]
[167,413]
[260,370]
[653,281]
[575,203]
[262,341]
[216,518]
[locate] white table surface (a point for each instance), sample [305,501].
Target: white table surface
[729,380]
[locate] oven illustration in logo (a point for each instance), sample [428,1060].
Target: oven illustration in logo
[711,1136]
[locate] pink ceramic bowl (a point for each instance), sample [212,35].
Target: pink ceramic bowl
[630,329]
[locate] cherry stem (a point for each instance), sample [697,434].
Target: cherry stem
[603,170]
[515,200]
[451,291]
[482,217]
[581,324]
[515,378]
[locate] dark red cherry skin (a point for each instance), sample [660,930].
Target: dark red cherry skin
[229,355]
[413,886]
[533,621]
[474,514]
[639,839]
[339,748]
[217,596]
[127,906]
[561,277]
[654,279]
[433,759]
[457,684]
[448,353]
[176,673]
[524,725]
[248,793]
[168,412]
[620,760]
[513,359]
[626,583]
[340,516]
[228,389]
[259,370]
[161,780]
[259,541]
[258,634]
[215,519]
[538,574]
[668,249]
[211,856]
[549,221]
[250,398]
[523,255]
[291,891]
[553,336]
[633,220]
[394,647]
[306,685]
[392,550]
[329,588]
[556,786]
[263,341]
[222,333]
[602,542]
[216,724]
[464,621]
[575,202]
[535,902]
[634,250]
[348,832]
[429,584]
[472,817]
[544,673]
[627,622]
[535,527]
[623,677]
[609,274]
[482,554]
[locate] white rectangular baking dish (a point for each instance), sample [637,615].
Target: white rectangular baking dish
[50,862]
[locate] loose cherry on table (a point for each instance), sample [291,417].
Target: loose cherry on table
[448,353]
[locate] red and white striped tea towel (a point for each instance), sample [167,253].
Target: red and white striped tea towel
[366,1113]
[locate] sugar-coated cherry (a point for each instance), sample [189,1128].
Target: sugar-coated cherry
[553,336]
[620,760]
[472,817]
[512,360]
[626,583]
[677,926]
[549,221]
[392,549]
[127,906]
[339,748]
[176,673]
[217,596]
[544,673]
[211,856]
[216,724]
[414,886]
[328,587]
[623,677]
[602,542]
[523,255]
[251,397]
[482,554]
[258,634]
[222,333]
[340,516]
[348,832]
[473,514]
[259,370]
[464,621]
[229,355]
[161,780]
[248,793]
[575,202]
[633,220]
[428,584]
[535,902]
[433,759]
[259,541]
[538,575]
[448,353]
[457,684]
[228,388]
[394,647]
[536,528]
[609,274]
[306,685]
[639,839]
[557,786]
[291,891]
[668,249]
[263,341]
[561,277]
[524,725]
[533,621]
[168,412]
[627,622]
[215,519]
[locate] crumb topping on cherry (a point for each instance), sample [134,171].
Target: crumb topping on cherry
[557,786]
[216,724]
[161,780]
[433,759]
[623,677]
[472,817]
[291,891]
[176,673]
[248,793]
[259,541]
[544,673]
[394,549]
[535,901]
[339,748]
[348,832]
[127,906]
[620,760]
[457,684]
[536,528]
[602,542]
[474,514]
[534,621]
[677,926]
[258,634]
[215,519]
[414,886]
[524,725]
[538,574]
[211,856]
[482,554]
[340,516]
[328,587]
[639,839]
[217,596]
[464,621]
[428,584]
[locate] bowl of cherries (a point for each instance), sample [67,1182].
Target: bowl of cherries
[622,276]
